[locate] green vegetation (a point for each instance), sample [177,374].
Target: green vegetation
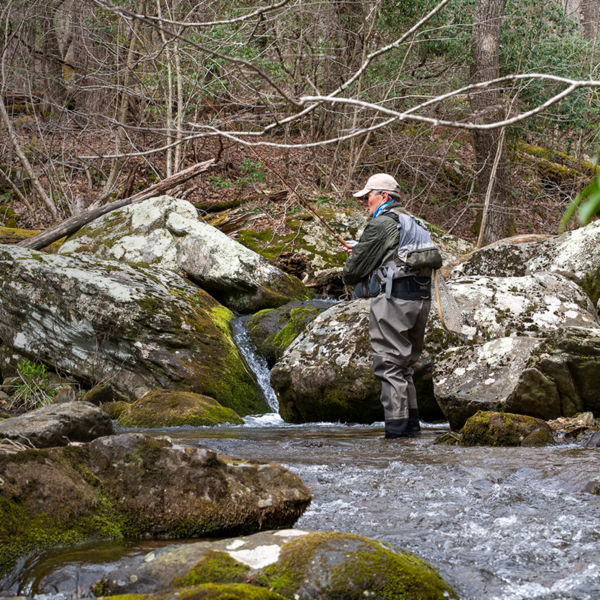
[34,390]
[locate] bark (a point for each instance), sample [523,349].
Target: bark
[71,225]
[492,167]
[590,19]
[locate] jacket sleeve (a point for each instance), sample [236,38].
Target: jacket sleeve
[378,237]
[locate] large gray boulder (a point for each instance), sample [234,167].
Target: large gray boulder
[326,374]
[57,425]
[315,565]
[494,307]
[574,254]
[134,329]
[134,486]
[166,233]
[548,377]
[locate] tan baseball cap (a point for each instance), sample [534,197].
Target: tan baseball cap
[381,182]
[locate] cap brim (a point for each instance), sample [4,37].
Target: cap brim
[362,193]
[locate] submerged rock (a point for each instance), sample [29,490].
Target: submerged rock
[132,486]
[166,408]
[166,233]
[487,428]
[133,329]
[544,377]
[57,425]
[292,563]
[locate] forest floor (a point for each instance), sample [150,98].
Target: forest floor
[436,177]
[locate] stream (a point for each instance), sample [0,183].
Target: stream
[497,523]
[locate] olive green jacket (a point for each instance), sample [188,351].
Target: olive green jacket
[378,238]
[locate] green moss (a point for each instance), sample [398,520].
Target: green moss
[338,565]
[209,591]
[505,429]
[169,408]
[214,567]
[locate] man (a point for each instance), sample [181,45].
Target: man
[399,311]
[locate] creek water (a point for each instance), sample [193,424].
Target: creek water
[497,523]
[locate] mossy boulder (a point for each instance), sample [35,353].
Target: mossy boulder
[209,591]
[330,565]
[135,329]
[114,409]
[292,563]
[487,428]
[272,330]
[166,408]
[132,486]
[545,377]
[326,374]
[166,233]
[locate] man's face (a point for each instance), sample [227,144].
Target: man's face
[374,200]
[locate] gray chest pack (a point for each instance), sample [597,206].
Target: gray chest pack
[415,255]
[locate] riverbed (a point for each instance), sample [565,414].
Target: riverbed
[497,523]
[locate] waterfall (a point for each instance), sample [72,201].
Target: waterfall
[259,367]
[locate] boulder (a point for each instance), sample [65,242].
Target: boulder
[57,425]
[166,233]
[167,408]
[134,329]
[292,563]
[272,330]
[574,254]
[486,428]
[326,374]
[132,486]
[495,307]
[548,377]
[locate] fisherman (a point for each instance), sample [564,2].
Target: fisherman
[399,304]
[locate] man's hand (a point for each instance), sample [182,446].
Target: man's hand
[349,246]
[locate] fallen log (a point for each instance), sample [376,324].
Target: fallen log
[74,223]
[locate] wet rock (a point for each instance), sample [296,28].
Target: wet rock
[592,487]
[132,486]
[57,425]
[486,428]
[272,330]
[166,232]
[326,374]
[166,408]
[293,563]
[331,565]
[134,329]
[544,377]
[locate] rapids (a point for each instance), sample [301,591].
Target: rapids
[497,523]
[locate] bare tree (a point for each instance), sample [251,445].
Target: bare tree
[491,161]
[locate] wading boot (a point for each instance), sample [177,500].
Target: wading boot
[396,428]
[414,427]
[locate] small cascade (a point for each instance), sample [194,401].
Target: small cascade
[256,362]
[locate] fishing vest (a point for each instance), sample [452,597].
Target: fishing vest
[414,257]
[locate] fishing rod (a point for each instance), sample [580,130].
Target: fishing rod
[304,202]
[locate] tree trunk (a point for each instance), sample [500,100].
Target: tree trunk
[590,19]
[491,163]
